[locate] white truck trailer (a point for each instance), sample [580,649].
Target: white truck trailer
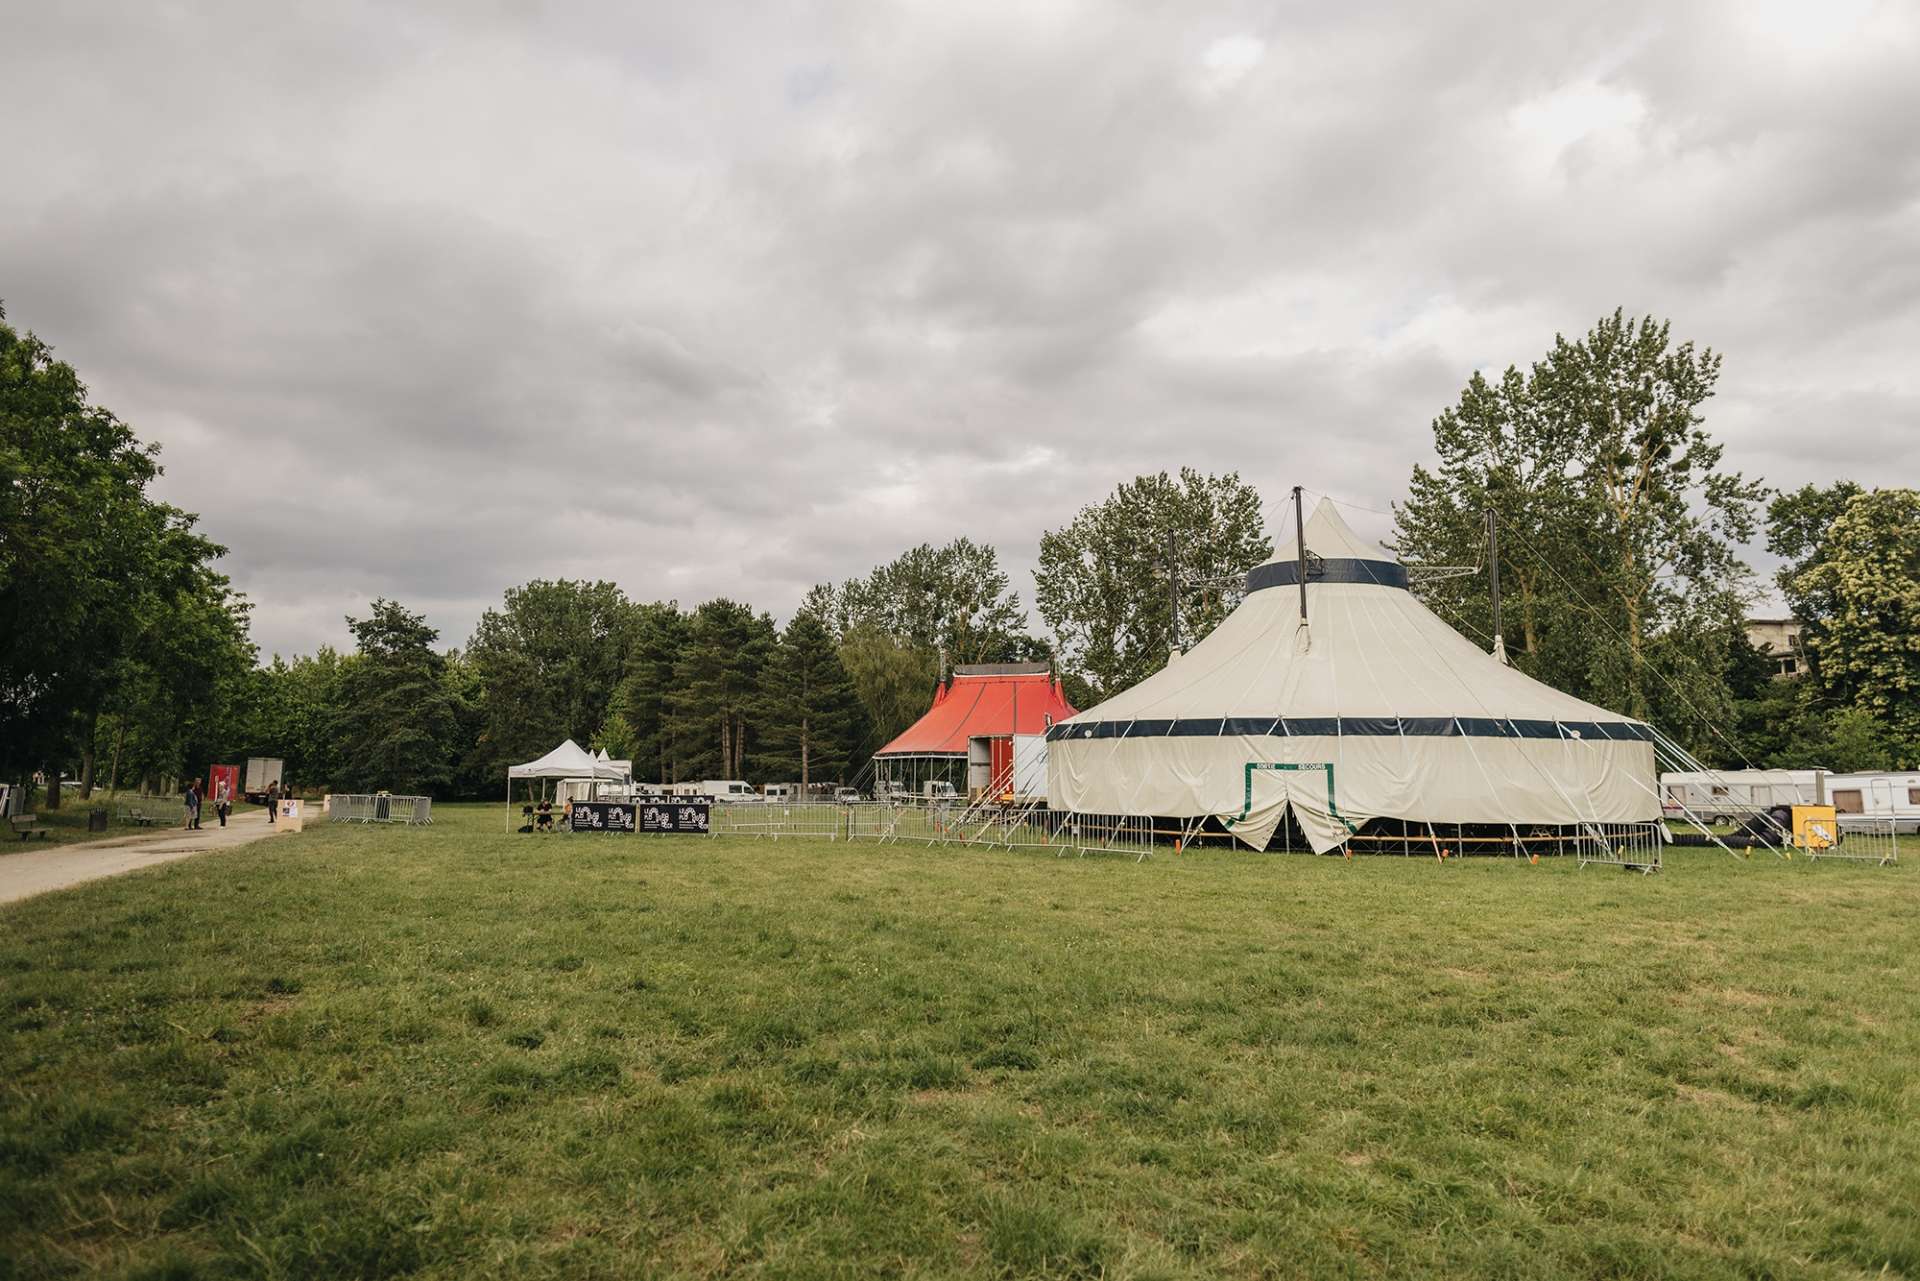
[262,772]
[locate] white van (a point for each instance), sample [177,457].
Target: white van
[729,789]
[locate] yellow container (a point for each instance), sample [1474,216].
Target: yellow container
[1814,827]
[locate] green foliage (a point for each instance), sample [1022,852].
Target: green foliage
[396,719]
[718,686]
[895,680]
[644,724]
[546,665]
[1861,580]
[816,722]
[1619,524]
[956,597]
[1797,527]
[1105,582]
[108,604]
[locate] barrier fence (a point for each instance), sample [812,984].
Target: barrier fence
[1634,846]
[348,807]
[934,823]
[1863,840]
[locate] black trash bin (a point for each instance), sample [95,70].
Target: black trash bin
[97,819]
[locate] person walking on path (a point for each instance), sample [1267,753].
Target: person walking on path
[273,799]
[193,807]
[222,800]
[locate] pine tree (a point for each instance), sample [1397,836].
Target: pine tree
[815,719]
[396,725]
[718,681]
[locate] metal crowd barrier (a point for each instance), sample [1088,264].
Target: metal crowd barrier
[1634,846]
[351,807]
[939,823]
[1863,840]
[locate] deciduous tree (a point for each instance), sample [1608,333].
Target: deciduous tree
[1106,582]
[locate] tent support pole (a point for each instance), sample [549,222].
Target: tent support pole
[1300,548]
[1493,583]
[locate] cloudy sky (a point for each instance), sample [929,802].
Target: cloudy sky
[425,301]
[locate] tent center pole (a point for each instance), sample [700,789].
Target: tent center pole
[1300,548]
[1493,583]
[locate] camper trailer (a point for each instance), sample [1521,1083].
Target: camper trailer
[1730,796]
[1862,797]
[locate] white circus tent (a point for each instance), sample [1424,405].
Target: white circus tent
[1371,707]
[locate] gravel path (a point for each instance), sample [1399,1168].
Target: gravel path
[30,871]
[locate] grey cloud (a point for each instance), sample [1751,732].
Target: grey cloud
[710,302]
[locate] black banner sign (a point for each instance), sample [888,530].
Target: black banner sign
[675,815]
[659,814]
[602,816]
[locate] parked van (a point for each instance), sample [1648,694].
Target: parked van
[783,793]
[729,789]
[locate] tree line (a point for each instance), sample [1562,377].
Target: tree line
[125,656]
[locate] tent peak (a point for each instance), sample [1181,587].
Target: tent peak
[1331,538]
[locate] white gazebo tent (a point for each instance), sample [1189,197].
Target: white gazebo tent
[1342,703]
[569,760]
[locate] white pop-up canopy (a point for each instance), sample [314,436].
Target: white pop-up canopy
[1375,708]
[569,760]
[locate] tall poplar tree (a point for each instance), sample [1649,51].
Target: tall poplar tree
[1620,524]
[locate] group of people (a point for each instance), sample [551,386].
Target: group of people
[223,802]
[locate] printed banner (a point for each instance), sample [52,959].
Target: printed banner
[601,816]
[674,815]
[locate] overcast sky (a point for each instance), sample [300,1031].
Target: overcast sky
[426,301]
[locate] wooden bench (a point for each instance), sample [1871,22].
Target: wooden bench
[27,825]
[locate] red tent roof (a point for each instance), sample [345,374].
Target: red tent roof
[980,702]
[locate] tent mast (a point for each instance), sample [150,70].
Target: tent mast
[1300,547]
[1173,598]
[1493,575]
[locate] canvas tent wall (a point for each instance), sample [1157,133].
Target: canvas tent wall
[980,701]
[1375,708]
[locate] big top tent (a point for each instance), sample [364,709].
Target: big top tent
[1371,707]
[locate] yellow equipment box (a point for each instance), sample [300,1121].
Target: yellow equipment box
[1814,827]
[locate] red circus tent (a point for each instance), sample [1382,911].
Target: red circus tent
[986,700]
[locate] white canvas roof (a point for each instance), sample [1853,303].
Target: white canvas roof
[569,760]
[1376,708]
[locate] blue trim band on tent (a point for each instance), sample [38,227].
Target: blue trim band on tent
[1356,727]
[1286,573]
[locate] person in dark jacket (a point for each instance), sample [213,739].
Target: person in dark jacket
[193,806]
[273,799]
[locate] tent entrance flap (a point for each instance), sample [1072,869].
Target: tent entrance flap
[1306,787]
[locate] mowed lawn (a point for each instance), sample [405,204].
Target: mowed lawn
[452,1052]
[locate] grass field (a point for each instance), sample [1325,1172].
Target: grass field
[68,824]
[451,1052]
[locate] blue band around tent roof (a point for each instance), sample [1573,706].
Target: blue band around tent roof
[1355,727]
[1285,573]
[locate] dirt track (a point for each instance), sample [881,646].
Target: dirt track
[29,871]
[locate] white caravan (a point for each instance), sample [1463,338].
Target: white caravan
[1729,796]
[1877,796]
